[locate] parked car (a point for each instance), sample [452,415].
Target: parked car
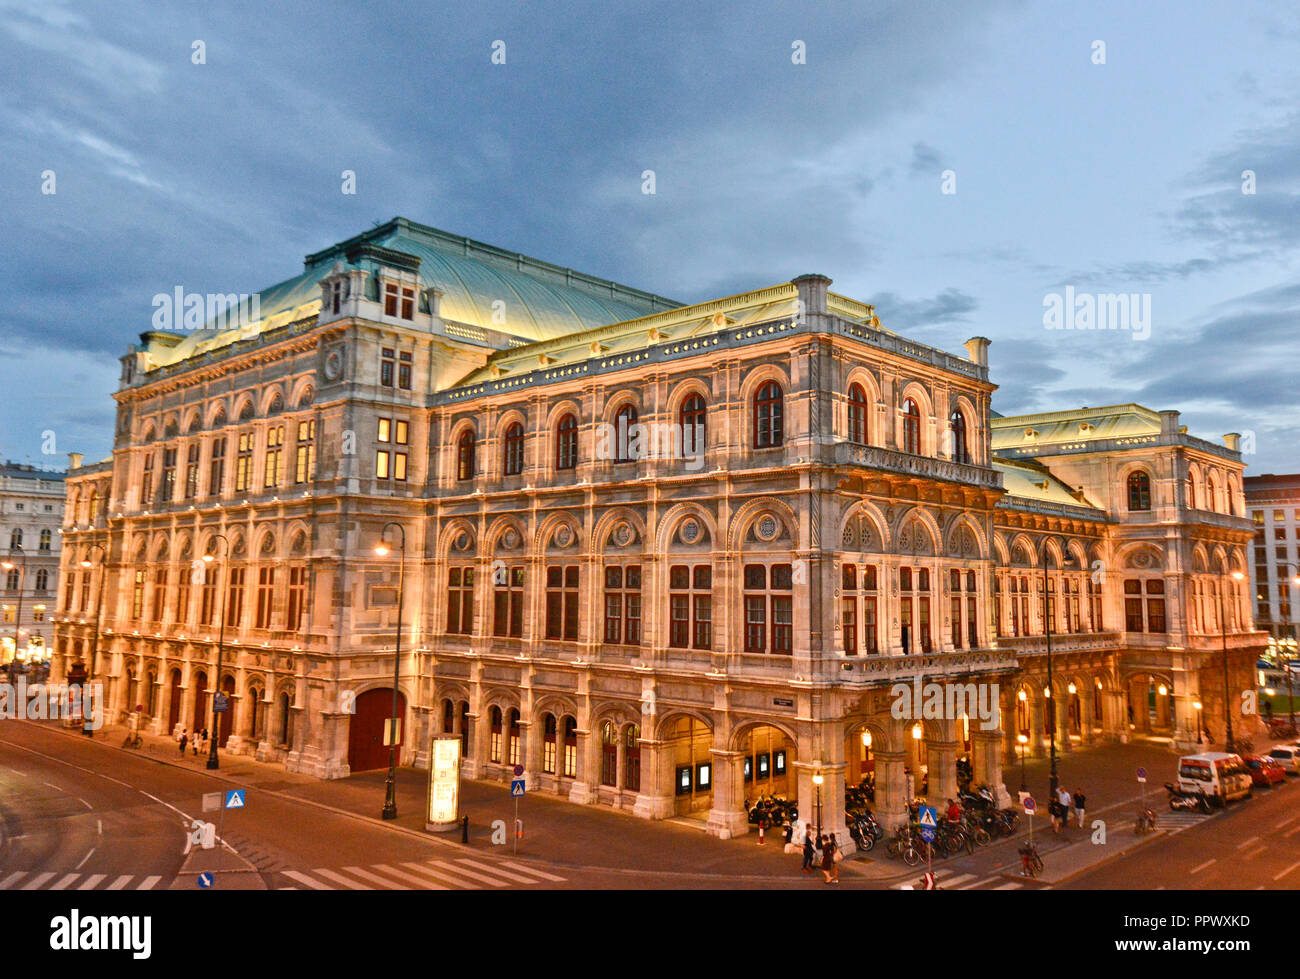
[1264,770]
[1288,756]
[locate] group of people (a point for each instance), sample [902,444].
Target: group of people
[1066,807]
[198,743]
[826,847]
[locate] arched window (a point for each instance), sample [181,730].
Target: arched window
[16,541]
[11,580]
[286,719]
[857,415]
[1192,503]
[608,754]
[42,579]
[960,450]
[512,738]
[494,741]
[549,730]
[911,427]
[448,717]
[1139,491]
[465,456]
[566,443]
[632,758]
[465,727]
[769,409]
[693,421]
[570,747]
[623,422]
[44,544]
[513,463]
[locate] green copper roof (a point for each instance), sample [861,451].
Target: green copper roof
[1081,425]
[540,301]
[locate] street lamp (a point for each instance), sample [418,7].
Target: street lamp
[22,583]
[1066,565]
[390,784]
[1196,705]
[213,762]
[94,636]
[1227,712]
[1023,740]
[1286,624]
[817,781]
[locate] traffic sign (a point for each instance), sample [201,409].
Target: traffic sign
[211,801]
[220,704]
[927,814]
[517,787]
[1030,805]
[205,880]
[519,771]
[235,799]
[1142,774]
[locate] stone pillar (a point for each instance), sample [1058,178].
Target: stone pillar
[891,790]
[655,801]
[1062,714]
[986,763]
[1087,707]
[585,789]
[943,770]
[727,818]
[1037,738]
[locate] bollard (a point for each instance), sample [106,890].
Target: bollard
[761,826]
[464,829]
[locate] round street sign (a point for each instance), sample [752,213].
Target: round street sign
[205,880]
[519,770]
[1142,774]
[1030,805]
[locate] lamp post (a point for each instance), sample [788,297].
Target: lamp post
[390,784]
[213,762]
[1200,725]
[94,636]
[22,583]
[1227,709]
[1023,741]
[1053,780]
[1286,625]
[817,781]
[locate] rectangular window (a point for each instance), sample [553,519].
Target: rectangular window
[217,467]
[168,475]
[508,602]
[381,464]
[460,601]
[208,598]
[562,602]
[265,597]
[183,595]
[408,303]
[399,466]
[304,462]
[623,605]
[769,608]
[1155,589]
[192,470]
[274,456]
[146,480]
[235,598]
[137,596]
[85,589]
[1133,605]
[244,463]
[297,598]
[387,357]
[159,594]
[404,371]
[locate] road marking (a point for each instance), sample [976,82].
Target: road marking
[497,870]
[37,881]
[90,882]
[121,882]
[423,883]
[530,870]
[1245,843]
[53,786]
[12,879]
[375,878]
[1012,886]
[118,781]
[486,878]
[448,878]
[148,883]
[1290,833]
[959,879]
[64,882]
[304,879]
[99,823]
[1198,869]
[1253,853]
[340,879]
[86,804]
[1287,871]
[84,859]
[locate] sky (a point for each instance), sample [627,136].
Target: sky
[956,164]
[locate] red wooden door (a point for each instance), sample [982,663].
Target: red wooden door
[227,718]
[366,748]
[200,684]
[174,702]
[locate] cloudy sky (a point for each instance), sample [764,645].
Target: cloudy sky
[1115,169]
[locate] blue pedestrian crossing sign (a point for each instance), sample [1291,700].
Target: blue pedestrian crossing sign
[516,787]
[235,799]
[927,823]
[205,880]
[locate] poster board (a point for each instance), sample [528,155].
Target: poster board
[442,804]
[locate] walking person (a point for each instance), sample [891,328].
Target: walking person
[1063,797]
[835,859]
[828,858]
[181,738]
[807,851]
[1079,802]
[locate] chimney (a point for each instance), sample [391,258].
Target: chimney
[1169,422]
[1233,441]
[74,461]
[812,292]
[977,350]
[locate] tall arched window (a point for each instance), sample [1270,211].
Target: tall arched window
[769,409]
[608,754]
[549,730]
[693,421]
[286,719]
[16,540]
[512,738]
[494,741]
[623,422]
[465,456]
[632,758]
[46,536]
[911,427]
[43,579]
[566,443]
[570,769]
[1192,503]
[960,449]
[1139,491]
[513,463]
[857,415]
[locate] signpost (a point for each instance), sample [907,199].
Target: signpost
[928,827]
[442,813]
[517,789]
[205,880]
[1142,781]
[1030,806]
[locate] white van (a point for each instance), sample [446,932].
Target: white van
[1219,776]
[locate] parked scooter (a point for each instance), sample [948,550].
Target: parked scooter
[1181,800]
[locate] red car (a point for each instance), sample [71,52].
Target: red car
[1264,770]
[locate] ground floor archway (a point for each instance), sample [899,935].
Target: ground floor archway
[366,748]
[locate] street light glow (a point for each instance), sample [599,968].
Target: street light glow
[381,549]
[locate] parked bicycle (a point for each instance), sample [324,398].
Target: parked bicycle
[133,741]
[1031,863]
[1146,821]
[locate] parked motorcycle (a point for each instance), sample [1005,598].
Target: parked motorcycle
[1182,800]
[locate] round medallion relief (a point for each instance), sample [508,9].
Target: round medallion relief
[563,536]
[510,539]
[334,365]
[766,528]
[690,531]
[622,535]
[463,542]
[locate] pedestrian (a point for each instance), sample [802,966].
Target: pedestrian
[787,834]
[836,857]
[181,738]
[1063,797]
[807,851]
[828,859]
[1079,803]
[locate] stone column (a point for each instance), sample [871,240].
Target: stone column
[891,790]
[727,818]
[1087,708]
[1037,738]
[986,763]
[585,789]
[1062,714]
[943,770]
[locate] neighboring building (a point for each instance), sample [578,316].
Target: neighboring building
[664,557]
[1274,504]
[31,517]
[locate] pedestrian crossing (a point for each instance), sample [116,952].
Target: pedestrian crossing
[949,880]
[1176,822]
[456,874]
[28,880]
